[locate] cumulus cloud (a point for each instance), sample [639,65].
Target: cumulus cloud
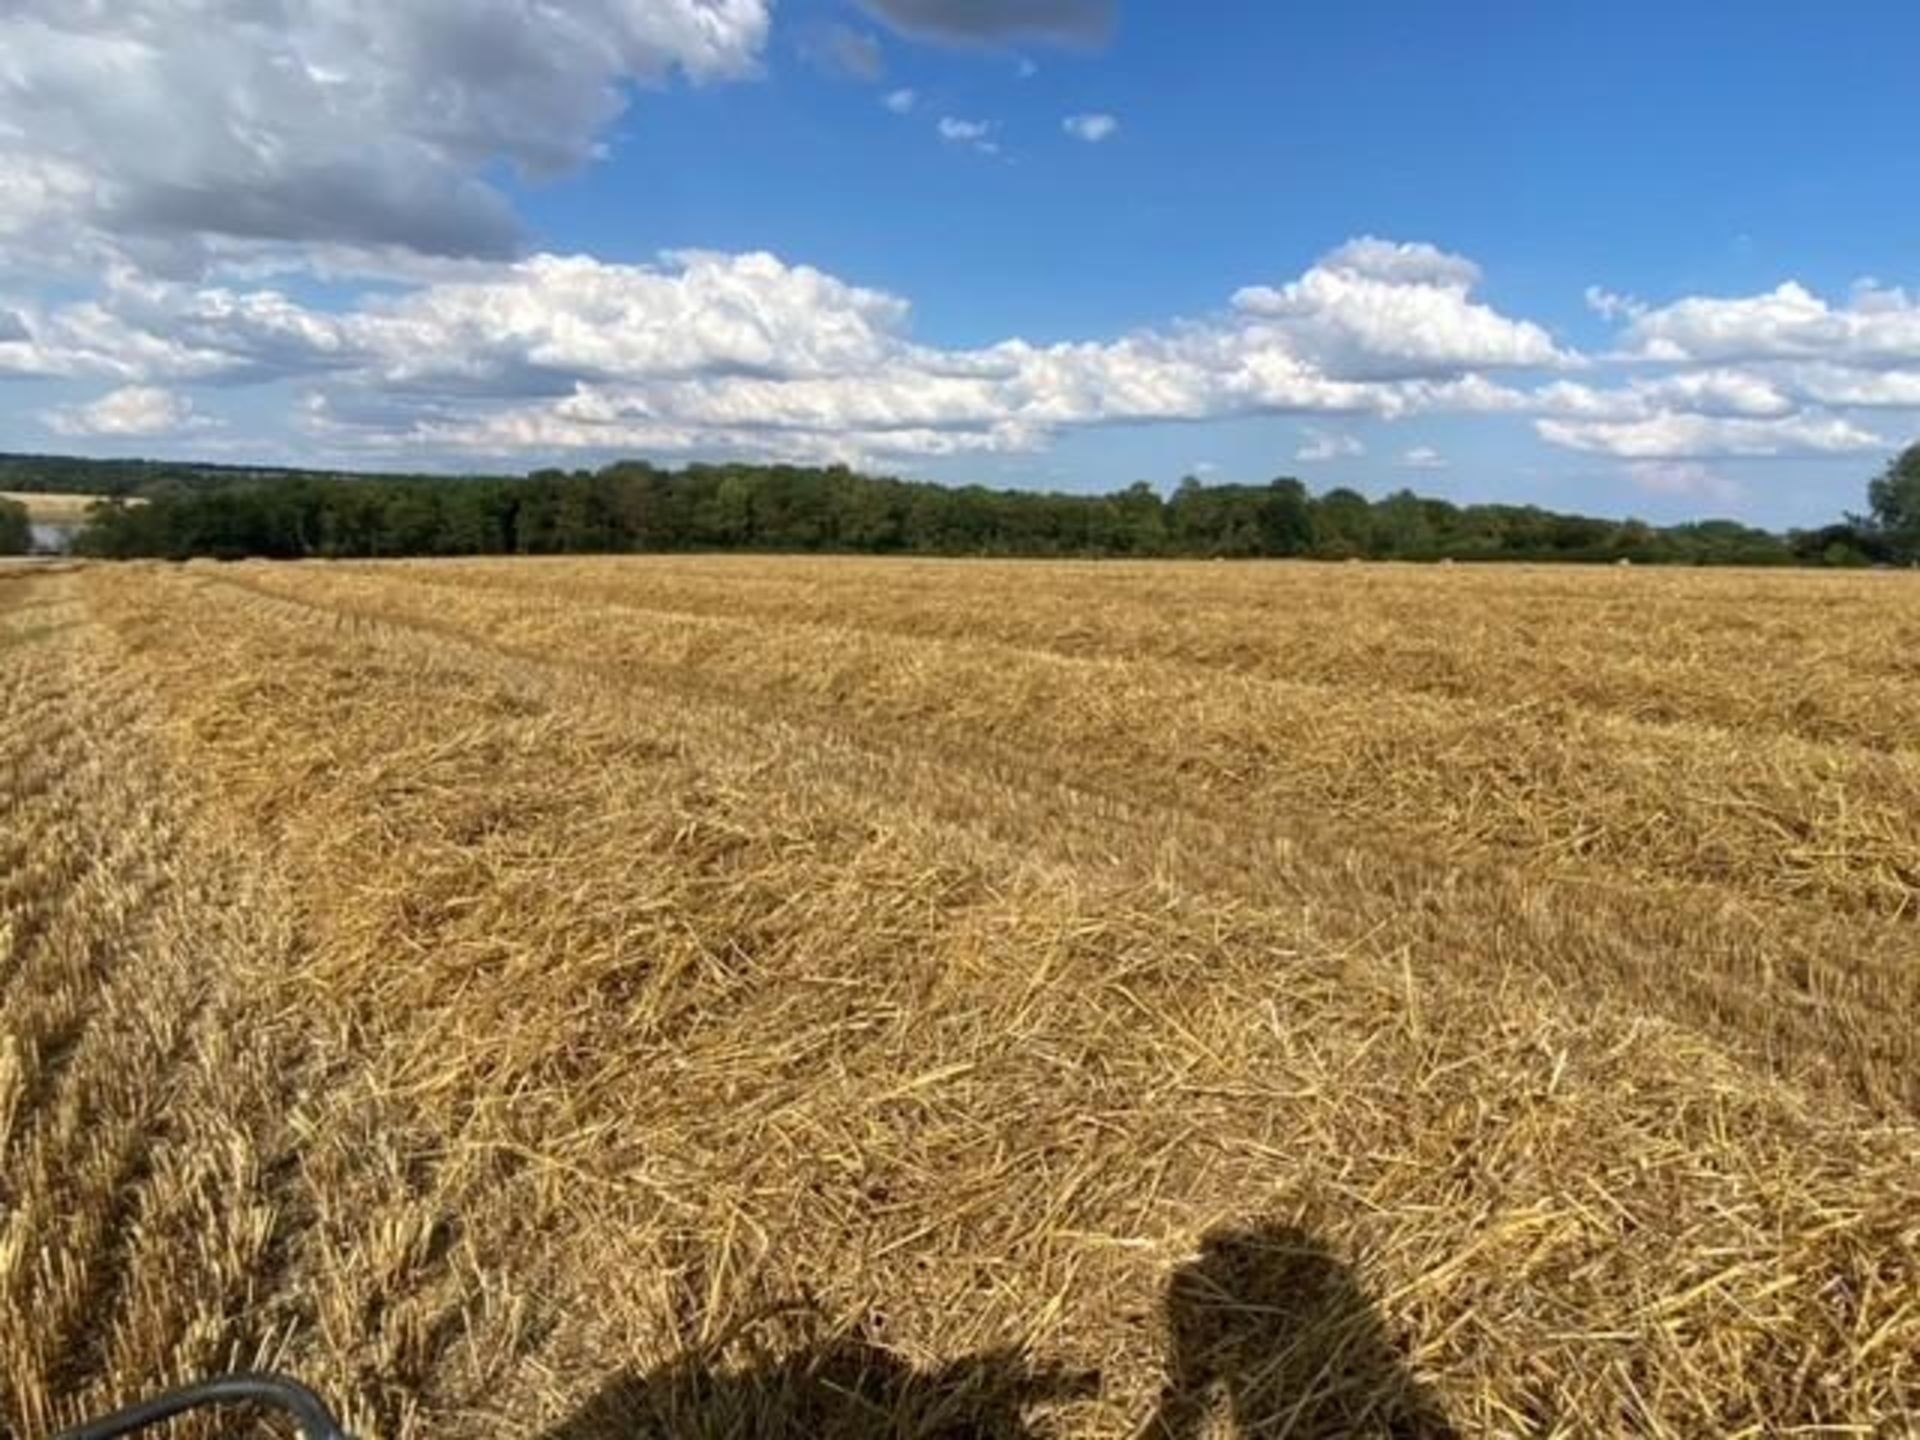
[1775,373]
[1720,392]
[1377,310]
[748,353]
[131,410]
[998,22]
[1867,389]
[355,123]
[1423,457]
[1092,128]
[901,102]
[1329,445]
[1809,358]
[89,340]
[1877,327]
[1403,263]
[1783,372]
[732,353]
[1680,436]
[742,316]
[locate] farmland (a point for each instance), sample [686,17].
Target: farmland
[592,997]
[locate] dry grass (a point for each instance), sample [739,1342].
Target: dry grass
[591,998]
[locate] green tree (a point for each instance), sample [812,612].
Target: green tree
[727,516]
[1402,528]
[1894,505]
[866,514]
[410,522]
[1847,545]
[1342,524]
[1142,519]
[16,534]
[632,506]
[1286,519]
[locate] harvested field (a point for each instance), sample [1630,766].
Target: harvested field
[734,996]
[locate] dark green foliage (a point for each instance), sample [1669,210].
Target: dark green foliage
[634,506]
[1343,525]
[1241,520]
[1848,545]
[1894,502]
[16,535]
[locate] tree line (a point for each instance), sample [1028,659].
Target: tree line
[634,506]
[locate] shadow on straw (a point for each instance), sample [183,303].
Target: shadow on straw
[846,1389]
[1266,1322]
[1263,1322]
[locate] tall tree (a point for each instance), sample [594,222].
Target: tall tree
[1286,519]
[1342,524]
[1894,503]
[1402,528]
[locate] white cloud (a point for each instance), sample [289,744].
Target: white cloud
[1610,306]
[1376,310]
[1878,327]
[1423,457]
[1721,392]
[1704,392]
[1092,128]
[184,131]
[131,410]
[1416,263]
[1756,375]
[748,353]
[953,128]
[1685,479]
[1329,445]
[1677,436]
[1829,384]
[901,102]
[975,134]
[92,340]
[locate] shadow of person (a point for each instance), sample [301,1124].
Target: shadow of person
[844,1389]
[1265,1321]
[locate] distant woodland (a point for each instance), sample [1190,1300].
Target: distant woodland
[189,510]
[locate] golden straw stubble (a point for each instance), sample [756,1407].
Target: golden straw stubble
[725,995]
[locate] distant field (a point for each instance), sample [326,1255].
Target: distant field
[595,997]
[51,507]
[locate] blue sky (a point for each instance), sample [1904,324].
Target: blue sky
[1622,258]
